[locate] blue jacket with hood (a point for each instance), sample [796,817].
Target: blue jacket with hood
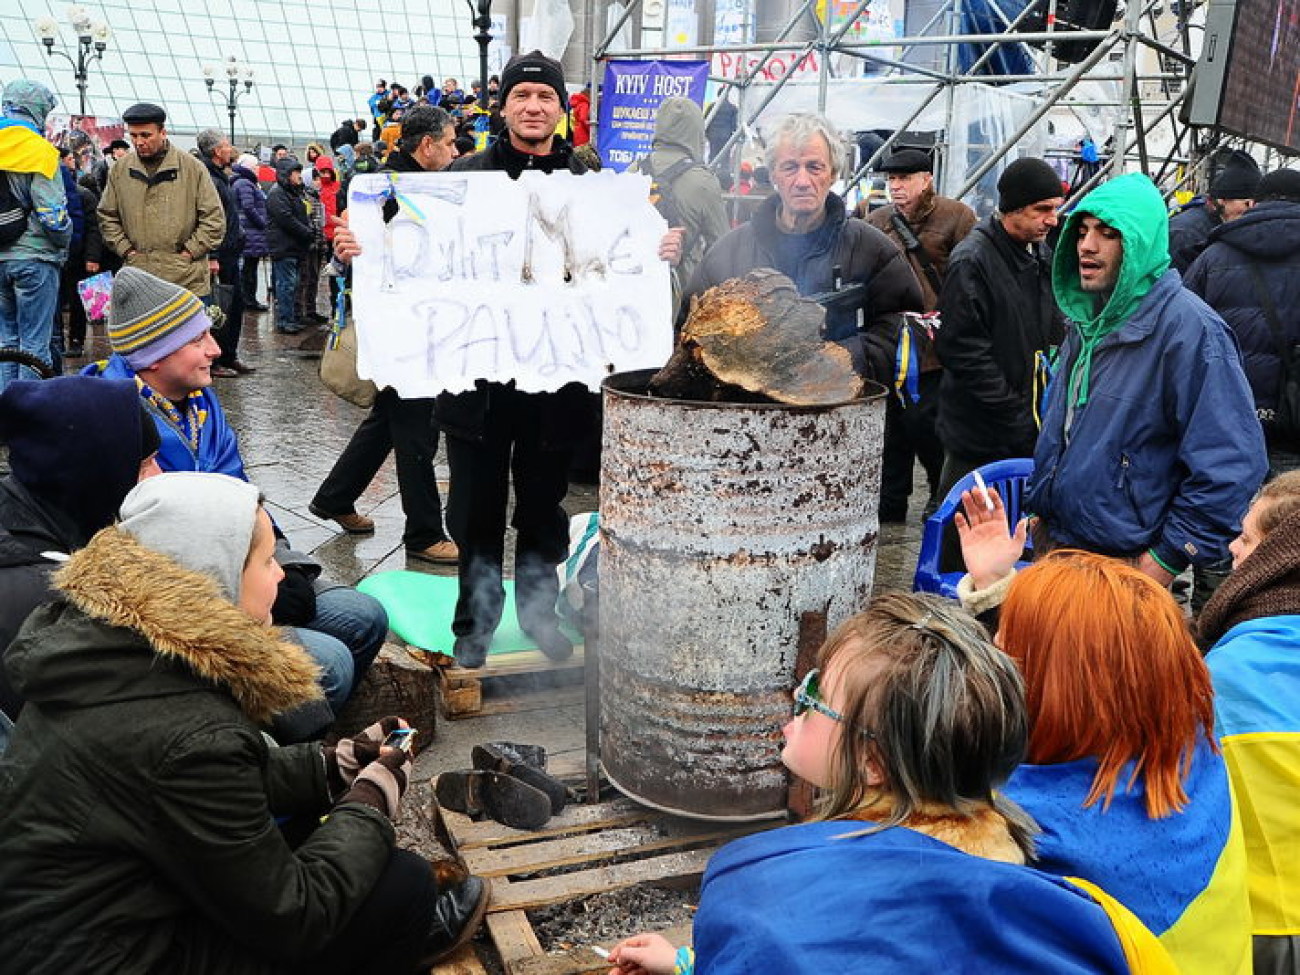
[1149,440]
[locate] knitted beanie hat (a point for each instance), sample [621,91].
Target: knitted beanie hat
[149,318]
[1025,182]
[1280,184]
[535,67]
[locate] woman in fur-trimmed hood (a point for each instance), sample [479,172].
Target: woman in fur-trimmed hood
[139,799]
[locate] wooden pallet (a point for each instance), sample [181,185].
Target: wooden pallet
[500,687]
[612,844]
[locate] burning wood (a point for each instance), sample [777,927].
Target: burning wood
[756,340]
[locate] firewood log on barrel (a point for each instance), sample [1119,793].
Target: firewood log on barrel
[756,340]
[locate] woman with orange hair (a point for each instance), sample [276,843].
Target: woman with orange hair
[1122,774]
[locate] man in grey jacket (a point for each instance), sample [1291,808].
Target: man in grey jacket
[31,261]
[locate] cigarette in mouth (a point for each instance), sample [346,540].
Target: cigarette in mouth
[984,490]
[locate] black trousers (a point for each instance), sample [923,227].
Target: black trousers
[228,335]
[248,279]
[74,269]
[481,474]
[909,435]
[408,427]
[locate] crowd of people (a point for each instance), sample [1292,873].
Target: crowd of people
[1057,772]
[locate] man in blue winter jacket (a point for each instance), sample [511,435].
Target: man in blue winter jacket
[1150,448]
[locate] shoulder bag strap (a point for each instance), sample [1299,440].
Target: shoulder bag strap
[913,244]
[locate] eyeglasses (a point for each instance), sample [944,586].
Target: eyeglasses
[808,695]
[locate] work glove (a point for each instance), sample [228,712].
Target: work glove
[382,783]
[349,756]
[295,600]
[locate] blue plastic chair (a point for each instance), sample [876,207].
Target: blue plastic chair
[1008,478]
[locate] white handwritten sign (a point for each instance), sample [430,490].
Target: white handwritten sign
[546,280]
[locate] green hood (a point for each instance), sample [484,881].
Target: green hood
[1133,206]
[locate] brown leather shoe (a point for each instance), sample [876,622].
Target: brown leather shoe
[242,368]
[439,553]
[352,523]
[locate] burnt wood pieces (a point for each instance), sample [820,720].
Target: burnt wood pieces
[756,340]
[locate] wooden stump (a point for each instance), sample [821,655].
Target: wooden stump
[397,684]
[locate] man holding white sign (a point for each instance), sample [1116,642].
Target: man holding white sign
[509,298]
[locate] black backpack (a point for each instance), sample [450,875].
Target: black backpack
[13,215]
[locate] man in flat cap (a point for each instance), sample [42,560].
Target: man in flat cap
[160,212]
[926,227]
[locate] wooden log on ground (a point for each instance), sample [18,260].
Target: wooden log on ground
[397,684]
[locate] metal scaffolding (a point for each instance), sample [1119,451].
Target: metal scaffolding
[1150,47]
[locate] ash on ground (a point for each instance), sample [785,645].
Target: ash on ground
[606,919]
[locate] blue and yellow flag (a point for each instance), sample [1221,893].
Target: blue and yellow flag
[1256,672]
[24,150]
[1184,876]
[827,897]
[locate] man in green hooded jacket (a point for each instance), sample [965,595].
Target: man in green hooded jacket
[1150,449]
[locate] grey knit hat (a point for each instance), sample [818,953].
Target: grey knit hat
[149,318]
[202,521]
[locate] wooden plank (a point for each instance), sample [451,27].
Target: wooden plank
[534,700]
[583,961]
[526,895]
[464,962]
[512,935]
[469,835]
[588,848]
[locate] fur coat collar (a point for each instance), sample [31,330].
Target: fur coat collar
[184,616]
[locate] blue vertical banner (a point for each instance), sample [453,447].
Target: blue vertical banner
[629,102]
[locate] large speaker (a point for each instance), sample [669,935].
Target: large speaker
[1071,15]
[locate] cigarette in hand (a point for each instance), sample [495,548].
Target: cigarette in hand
[600,952]
[984,490]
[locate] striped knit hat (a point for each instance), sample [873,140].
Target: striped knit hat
[149,318]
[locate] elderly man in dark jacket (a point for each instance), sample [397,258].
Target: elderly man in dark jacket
[1000,326]
[1250,274]
[289,237]
[804,231]
[217,154]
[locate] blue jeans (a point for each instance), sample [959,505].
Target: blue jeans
[284,277]
[344,638]
[29,292]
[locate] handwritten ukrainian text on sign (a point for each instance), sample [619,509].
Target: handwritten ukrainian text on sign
[545,280]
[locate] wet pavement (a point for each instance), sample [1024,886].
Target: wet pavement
[291,430]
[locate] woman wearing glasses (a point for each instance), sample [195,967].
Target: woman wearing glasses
[910,723]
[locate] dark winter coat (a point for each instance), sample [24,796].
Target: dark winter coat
[76,211]
[1189,232]
[345,135]
[138,796]
[289,225]
[562,412]
[27,531]
[1267,237]
[252,211]
[232,244]
[1000,323]
[860,252]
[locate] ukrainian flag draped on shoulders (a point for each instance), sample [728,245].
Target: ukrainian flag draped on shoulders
[24,150]
[1256,671]
[831,897]
[1183,876]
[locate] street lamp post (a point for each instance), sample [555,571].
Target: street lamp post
[233,70]
[92,41]
[481,17]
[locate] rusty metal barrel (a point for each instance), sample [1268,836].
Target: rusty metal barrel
[727,531]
